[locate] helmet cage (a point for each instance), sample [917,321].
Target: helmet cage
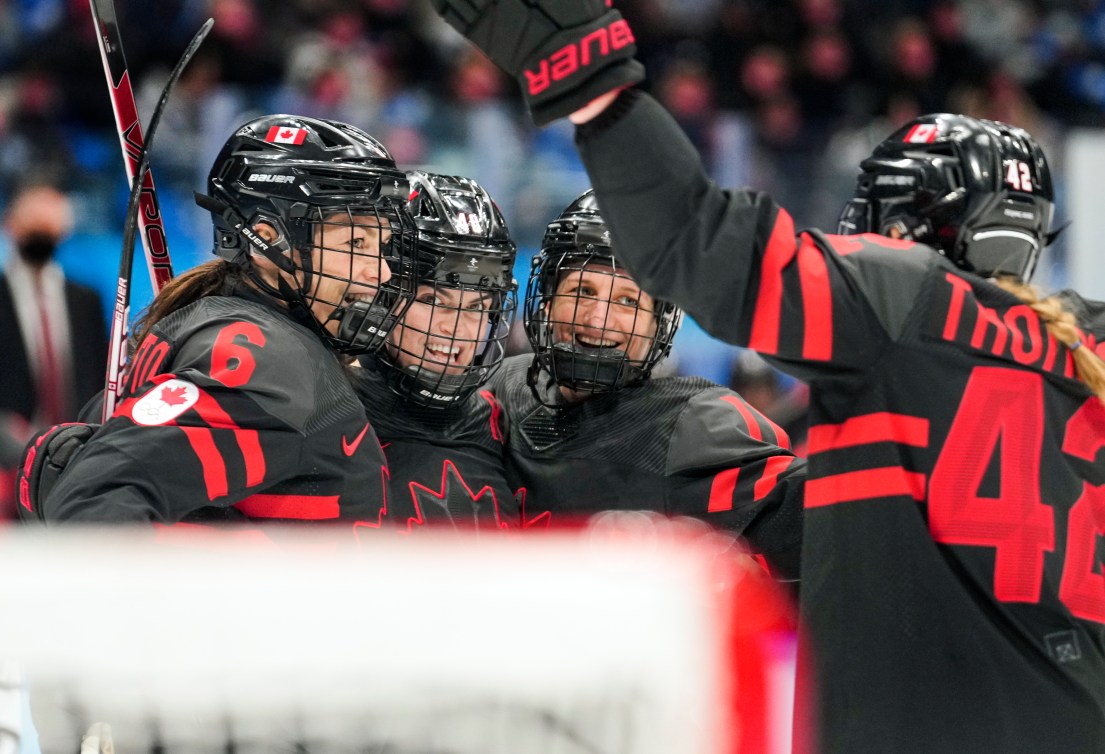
[449,342]
[585,364]
[339,178]
[977,191]
[453,337]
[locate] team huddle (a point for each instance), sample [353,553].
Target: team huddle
[343,361]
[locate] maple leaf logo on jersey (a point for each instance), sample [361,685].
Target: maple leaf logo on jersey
[174,396]
[165,403]
[541,520]
[455,503]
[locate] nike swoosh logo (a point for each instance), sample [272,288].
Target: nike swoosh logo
[349,448]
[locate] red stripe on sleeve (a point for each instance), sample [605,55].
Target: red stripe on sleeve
[214,468]
[817,302]
[249,441]
[302,507]
[890,481]
[776,465]
[746,414]
[721,491]
[867,429]
[767,315]
[212,413]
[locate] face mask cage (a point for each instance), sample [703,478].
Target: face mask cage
[918,196]
[450,341]
[353,268]
[591,328]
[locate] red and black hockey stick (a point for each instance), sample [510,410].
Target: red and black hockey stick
[130,139]
[141,196]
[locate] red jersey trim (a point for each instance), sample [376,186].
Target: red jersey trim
[890,481]
[767,315]
[817,302]
[868,429]
[301,507]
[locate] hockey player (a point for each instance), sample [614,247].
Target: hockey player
[236,405]
[442,435]
[591,430]
[953,591]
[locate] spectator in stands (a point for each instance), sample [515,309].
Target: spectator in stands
[52,332]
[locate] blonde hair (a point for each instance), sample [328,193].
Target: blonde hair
[1063,326]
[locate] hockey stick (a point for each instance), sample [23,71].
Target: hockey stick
[130,138]
[138,190]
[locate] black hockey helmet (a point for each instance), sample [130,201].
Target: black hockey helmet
[577,240]
[463,247]
[302,176]
[978,191]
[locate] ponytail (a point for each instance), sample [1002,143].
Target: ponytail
[199,282]
[1063,326]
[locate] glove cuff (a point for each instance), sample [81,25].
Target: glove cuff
[617,110]
[579,64]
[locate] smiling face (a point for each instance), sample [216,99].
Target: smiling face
[597,308]
[443,329]
[346,263]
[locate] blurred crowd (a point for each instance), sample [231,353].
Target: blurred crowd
[783,95]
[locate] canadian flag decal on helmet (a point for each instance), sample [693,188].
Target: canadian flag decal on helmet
[286,135]
[922,133]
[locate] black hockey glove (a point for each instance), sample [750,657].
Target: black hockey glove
[564,53]
[44,460]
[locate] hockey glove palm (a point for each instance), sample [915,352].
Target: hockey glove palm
[44,461]
[564,53]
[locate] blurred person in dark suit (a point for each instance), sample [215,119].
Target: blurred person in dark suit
[53,338]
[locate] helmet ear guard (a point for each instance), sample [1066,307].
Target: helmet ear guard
[228,247]
[977,191]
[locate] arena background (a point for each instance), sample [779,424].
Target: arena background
[782,95]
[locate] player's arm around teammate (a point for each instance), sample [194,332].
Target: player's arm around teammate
[236,403]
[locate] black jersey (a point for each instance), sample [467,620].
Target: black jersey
[955,510]
[444,466]
[230,412]
[680,446]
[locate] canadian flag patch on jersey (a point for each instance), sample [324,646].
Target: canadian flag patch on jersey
[286,135]
[164,403]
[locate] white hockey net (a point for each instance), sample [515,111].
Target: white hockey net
[555,644]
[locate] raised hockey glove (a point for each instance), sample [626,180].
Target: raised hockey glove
[44,460]
[564,53]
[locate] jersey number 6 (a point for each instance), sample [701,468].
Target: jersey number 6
[232,364]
